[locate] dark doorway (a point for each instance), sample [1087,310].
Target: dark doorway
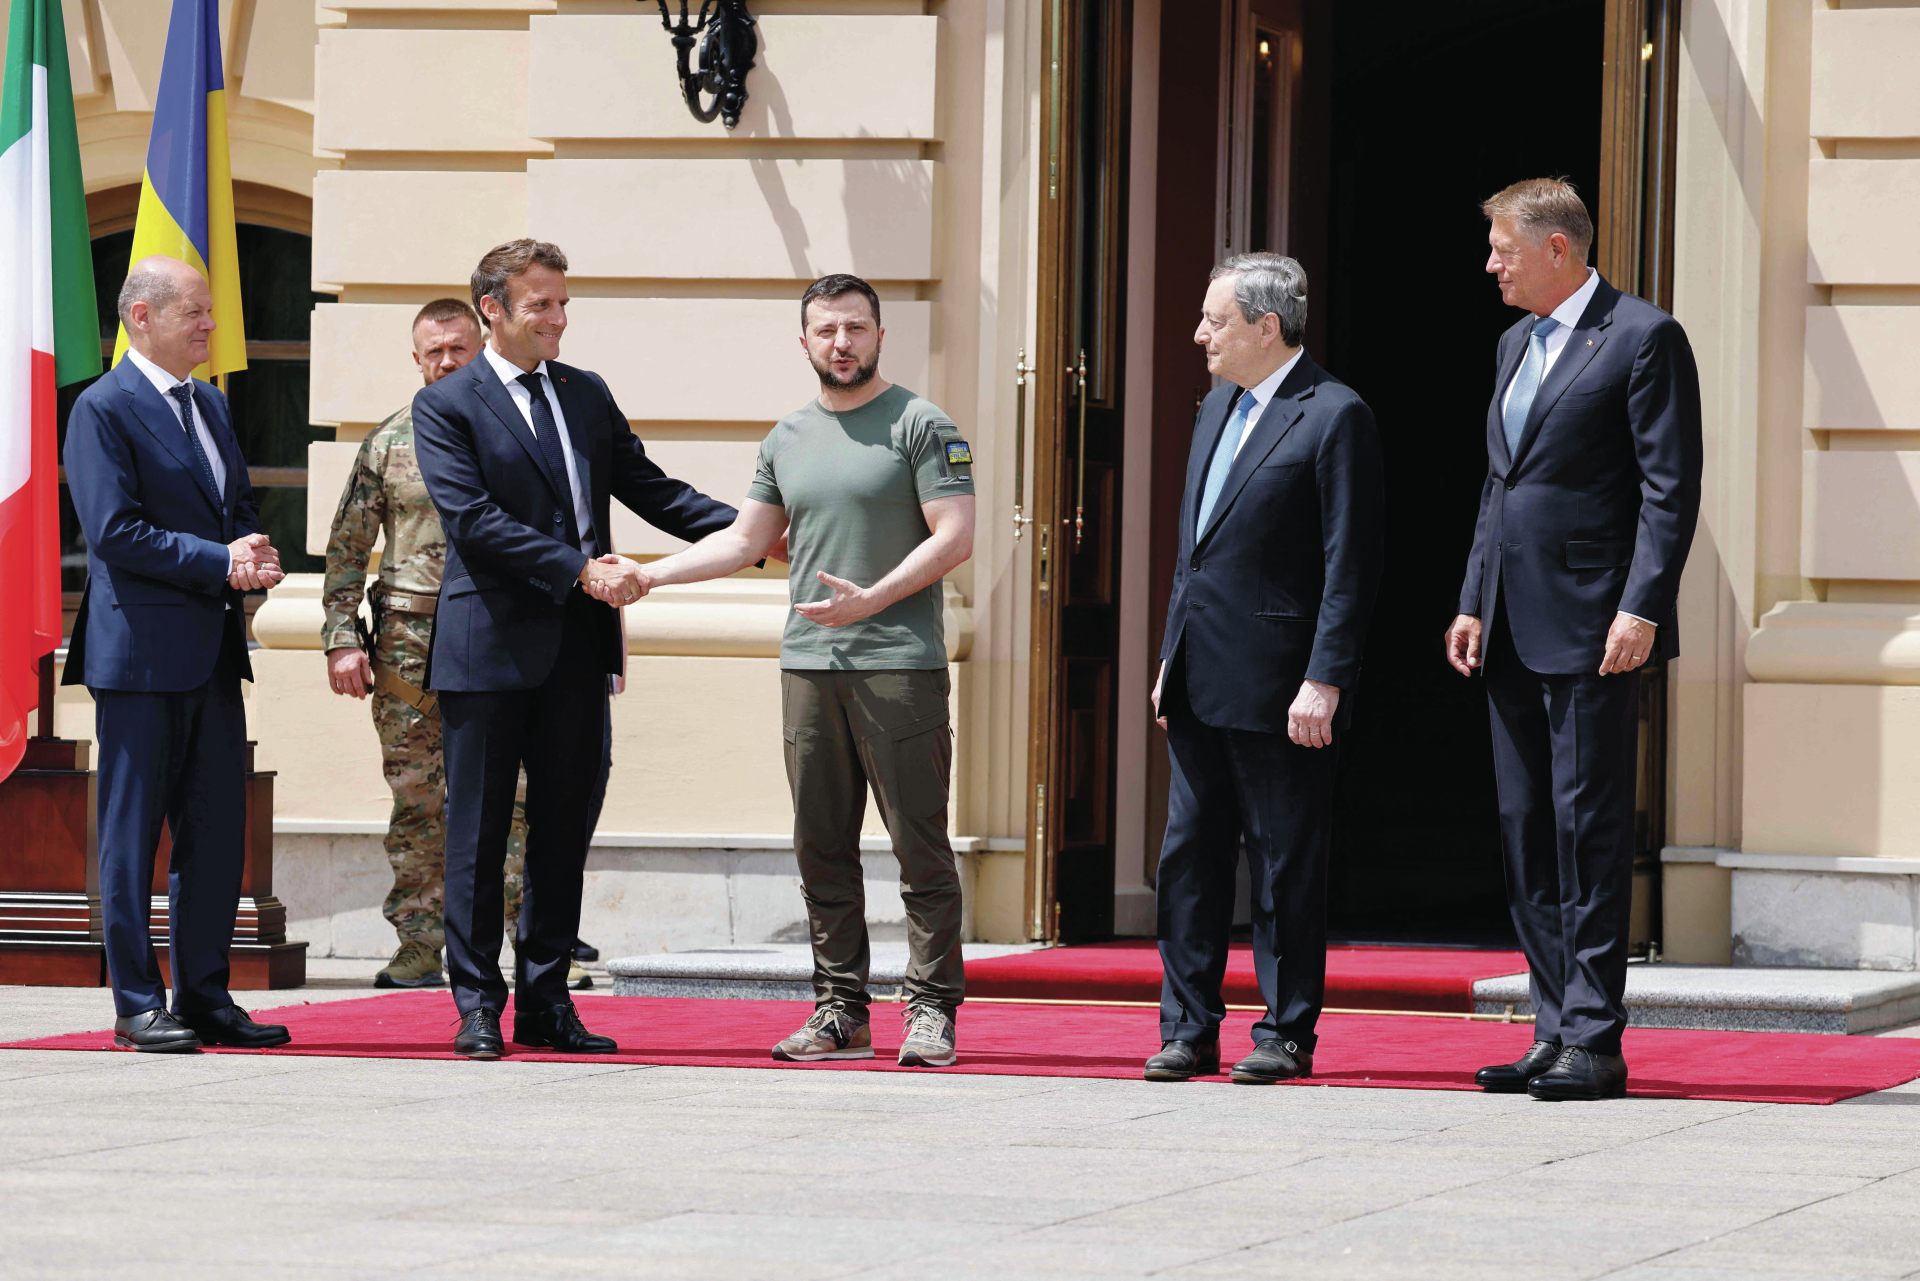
[1427,121]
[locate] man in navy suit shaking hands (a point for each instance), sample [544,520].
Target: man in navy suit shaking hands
[1592,491]
[173,539]
[521,455]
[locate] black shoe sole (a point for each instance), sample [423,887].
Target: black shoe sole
[172,1047]
[551,1048]
[1612,1092]
[1502,1087]
[1249,1078]
[485,1056]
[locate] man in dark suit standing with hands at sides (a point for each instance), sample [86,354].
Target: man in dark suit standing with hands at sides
[160,642]
[520,455]
[1280,548]
[1593,488]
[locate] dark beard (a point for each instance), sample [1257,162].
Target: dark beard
[860,377]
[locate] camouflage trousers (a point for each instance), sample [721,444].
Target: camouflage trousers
[412,760]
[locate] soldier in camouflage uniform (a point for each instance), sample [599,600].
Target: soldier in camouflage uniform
[385,493]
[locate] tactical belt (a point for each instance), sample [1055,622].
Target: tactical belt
[409,602]
[391,682]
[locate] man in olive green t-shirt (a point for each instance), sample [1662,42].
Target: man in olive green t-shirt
[874,489]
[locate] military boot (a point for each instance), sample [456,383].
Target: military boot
[577,977]
[414,965]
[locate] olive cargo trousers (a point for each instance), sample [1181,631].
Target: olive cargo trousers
[845,730]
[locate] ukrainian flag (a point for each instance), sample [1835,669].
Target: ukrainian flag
[186,197]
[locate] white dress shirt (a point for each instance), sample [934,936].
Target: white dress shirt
[1262,396]
[510,375]
[164,383]
[1568,315]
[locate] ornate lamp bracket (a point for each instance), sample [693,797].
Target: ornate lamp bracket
[727,47]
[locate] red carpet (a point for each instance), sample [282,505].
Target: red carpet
[1358,978]
[1016,1040]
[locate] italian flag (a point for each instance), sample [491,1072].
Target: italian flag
[49,336]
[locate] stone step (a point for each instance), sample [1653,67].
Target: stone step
[766,972]
[1743,999]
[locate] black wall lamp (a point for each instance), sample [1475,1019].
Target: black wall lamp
[726,55]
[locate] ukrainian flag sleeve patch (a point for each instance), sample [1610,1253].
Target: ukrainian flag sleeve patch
[958,453]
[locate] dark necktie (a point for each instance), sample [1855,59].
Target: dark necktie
[182,394]
[551,450]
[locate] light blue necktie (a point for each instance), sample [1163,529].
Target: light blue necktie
[1526,383]
[1223,461]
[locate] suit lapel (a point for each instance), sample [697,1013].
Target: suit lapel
[1496,416]
[159,416]
[1206,439]
[1583,344]
[570,387]
[496,397]
[1276,420]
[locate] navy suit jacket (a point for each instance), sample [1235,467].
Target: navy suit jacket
[1280,586]
[509,566]
[1594,512]
[157,598]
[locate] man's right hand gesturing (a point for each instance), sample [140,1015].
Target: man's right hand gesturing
[1463,644]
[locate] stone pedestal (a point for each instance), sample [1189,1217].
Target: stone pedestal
[50,925]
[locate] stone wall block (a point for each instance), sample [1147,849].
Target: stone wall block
[1863,368]
[1862,514]
[611,76]
[1860,222]
[422,91]
[752,219]
[387,227]
[1864,84]
[1824,920]
[1830,769]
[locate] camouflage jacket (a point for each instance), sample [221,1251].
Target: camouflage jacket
[385,493]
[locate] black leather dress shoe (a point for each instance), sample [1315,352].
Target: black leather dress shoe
[1273,1060]
[1181,1060]
[232,1027]
[479,1035]
[1581,1074]
[155,1032]
[1512,1078]
[559,1028]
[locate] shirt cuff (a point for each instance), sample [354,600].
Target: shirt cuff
[1648,621]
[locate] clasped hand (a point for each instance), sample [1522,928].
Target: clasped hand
[256,564]
[615,580]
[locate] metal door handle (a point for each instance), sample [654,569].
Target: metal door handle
[1020,371]
[1080,469]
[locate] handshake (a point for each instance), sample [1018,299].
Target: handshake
[254,564]
[615,580]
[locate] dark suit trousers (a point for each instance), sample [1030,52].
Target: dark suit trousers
[559,730]
[178,758]
[1280,795]
[1564,762]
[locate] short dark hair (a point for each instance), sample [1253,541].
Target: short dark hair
[839,285]
[441,309]
[1543,206]
[503,262]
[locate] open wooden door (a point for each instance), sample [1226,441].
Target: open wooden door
[1076,383]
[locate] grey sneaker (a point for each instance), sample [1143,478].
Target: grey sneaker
[930,1037]
[832,1033]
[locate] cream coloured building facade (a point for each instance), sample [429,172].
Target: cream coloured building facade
[1017,177]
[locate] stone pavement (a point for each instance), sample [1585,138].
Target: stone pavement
[120,1165]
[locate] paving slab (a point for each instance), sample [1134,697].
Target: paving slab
[1742,998]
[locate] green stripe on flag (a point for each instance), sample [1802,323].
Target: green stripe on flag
[36,35]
